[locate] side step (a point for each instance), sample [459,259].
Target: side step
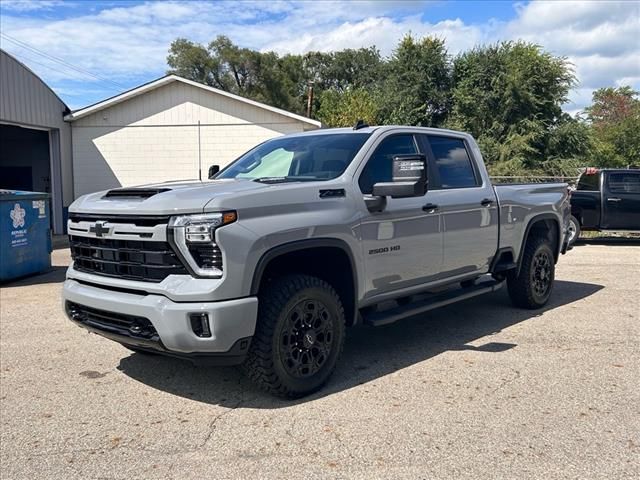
[432,302]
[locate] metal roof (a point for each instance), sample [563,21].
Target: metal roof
[160,82]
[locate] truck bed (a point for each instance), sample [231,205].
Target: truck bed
[519,203]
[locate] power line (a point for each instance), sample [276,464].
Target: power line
[58,60]
[31,60]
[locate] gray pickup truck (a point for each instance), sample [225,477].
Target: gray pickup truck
[270,261]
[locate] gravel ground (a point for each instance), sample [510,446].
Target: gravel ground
[477,389]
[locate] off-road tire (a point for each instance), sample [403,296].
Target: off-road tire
[524,288]
[575,225]
[267,362]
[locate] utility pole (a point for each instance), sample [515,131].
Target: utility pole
[199,154]
[309,97]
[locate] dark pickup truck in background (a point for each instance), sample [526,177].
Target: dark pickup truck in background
[605,199]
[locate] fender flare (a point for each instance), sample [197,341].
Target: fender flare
[305,244]
[535,219]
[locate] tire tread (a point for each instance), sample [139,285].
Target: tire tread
[519,286]
[259,365]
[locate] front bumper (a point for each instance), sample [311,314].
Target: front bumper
[231,322]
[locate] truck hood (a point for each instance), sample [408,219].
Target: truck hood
[163,198]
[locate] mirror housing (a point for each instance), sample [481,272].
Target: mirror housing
[409,178]
[213,170]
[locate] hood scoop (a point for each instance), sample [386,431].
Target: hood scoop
[134,192]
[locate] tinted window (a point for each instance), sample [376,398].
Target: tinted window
[589,182]
[380,165]
[453,164]
[624,182]
[304,157]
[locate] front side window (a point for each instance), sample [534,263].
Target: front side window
[300,158]
[452,162]
[624,182]
[379,167]
[589,182]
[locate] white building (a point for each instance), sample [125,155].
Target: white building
[168,129]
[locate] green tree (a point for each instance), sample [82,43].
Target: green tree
[615,119]
[265,77]
[344,109]
[192,61]
[416,85]
[510,97]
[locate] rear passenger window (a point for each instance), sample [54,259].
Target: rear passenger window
[624,182]
[379,167]
[453,164]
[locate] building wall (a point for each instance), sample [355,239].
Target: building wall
[27,101]
[155,137]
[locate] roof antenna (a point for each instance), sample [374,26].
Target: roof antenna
[360,124]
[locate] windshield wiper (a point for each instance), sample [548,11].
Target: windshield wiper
[284,179]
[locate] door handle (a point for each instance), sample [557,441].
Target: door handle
[430,207]
[487,202]
[614,199]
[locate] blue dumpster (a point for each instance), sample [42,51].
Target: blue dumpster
[25,236]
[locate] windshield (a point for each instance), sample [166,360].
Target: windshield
[303,158]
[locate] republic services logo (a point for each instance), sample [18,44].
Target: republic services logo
[17,215]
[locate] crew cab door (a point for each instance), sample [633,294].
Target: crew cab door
[402,242]
[467,204]
[621,201]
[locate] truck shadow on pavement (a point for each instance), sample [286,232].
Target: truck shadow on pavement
[369,353]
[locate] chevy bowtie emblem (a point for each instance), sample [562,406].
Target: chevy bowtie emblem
[100,229]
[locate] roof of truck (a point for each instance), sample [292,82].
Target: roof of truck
[371,129]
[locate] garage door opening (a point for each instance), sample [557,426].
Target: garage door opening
[25,160]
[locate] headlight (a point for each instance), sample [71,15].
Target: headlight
[194,237]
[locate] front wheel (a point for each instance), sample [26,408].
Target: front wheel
[299,336]
[573,230]
[532,286]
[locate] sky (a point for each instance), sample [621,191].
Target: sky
[90,50]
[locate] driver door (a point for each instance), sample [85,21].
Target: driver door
[402,243]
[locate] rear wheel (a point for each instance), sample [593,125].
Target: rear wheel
[299,336]
[531,288]
[573,230]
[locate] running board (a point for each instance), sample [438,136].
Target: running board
[437,300]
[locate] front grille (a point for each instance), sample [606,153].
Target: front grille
[119,323]
[129,259]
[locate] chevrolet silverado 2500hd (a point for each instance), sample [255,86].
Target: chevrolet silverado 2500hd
[269,262]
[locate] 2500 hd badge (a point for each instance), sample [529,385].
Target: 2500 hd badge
[393,248]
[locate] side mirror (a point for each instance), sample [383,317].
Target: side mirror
[213,170]
[409,178]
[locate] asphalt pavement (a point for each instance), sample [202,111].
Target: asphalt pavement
[475,390]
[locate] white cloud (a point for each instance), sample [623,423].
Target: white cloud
[600,38]
[382,32]
[126,43]
[30,5]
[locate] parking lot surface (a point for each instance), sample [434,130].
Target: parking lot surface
[477,389]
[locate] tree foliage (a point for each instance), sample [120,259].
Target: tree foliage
[509,95]
[615,119]
[416,86]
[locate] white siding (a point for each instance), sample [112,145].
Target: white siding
[154,137]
